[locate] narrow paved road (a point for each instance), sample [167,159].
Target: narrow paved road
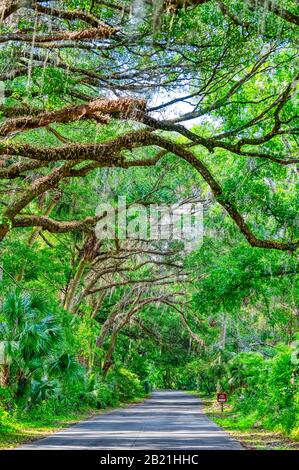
[167,420]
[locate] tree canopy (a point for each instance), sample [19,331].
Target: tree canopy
[163,68]
[163,102]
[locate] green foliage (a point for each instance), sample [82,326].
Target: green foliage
[242,302]
[120,385]
[126,383]
[31,334]
[265,390]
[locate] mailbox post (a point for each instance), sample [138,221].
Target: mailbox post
[221,398]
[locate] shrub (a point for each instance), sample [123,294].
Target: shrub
[267,388]
[126,383]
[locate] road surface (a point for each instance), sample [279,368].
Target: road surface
[168,420]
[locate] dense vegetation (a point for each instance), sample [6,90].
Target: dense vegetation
[164,103]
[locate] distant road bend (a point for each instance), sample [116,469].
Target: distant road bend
[168,420]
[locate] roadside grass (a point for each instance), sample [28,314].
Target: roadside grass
[246,429]
[24,429]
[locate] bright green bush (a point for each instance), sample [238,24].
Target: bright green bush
[100,394]
[267,388]
[119,385]
[126,383]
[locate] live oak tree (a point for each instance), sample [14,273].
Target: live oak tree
[62,65]
[163,102]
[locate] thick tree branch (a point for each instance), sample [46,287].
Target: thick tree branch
[101,110]
[56,226]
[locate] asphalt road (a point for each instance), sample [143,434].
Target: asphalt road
[168,420]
